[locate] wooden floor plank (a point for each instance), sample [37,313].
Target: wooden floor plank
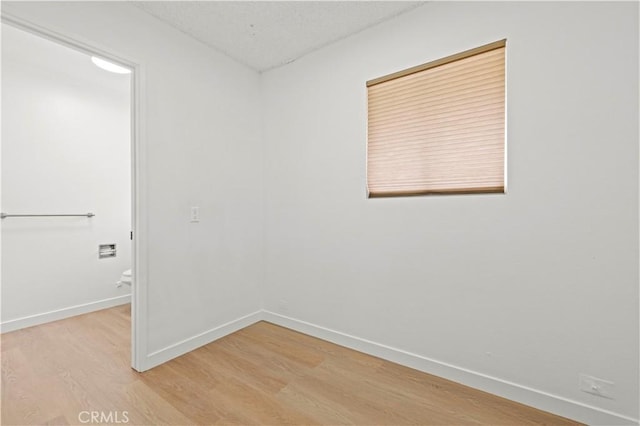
[20,404]
[152,406]
[263,374]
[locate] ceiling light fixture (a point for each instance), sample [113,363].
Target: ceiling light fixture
[109,66]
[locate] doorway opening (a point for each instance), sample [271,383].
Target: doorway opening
[69,181]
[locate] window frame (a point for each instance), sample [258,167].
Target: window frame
[500,44]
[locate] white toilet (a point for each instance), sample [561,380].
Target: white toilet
[125,278]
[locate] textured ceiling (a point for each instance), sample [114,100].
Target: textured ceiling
[267,34]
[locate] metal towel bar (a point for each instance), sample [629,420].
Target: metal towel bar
[4,215]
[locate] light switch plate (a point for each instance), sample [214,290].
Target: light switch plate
[195,214]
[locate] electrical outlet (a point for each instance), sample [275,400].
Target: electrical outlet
[595,386]
[195,214]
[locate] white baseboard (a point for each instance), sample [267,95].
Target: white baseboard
[535,398]
[163,355]
[30,321]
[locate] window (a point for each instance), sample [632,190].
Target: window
[439,128]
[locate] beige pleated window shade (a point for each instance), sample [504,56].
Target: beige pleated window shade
[439,127]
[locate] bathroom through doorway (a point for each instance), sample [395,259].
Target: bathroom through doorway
[68,197]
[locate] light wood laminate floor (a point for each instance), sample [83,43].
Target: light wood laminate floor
[263,374]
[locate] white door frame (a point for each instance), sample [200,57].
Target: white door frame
[139,213]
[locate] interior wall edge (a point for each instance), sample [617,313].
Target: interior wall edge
[152,44]
[513,391]
[59,314]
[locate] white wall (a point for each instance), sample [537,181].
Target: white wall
[201,147]
[65,149]
[532,287]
